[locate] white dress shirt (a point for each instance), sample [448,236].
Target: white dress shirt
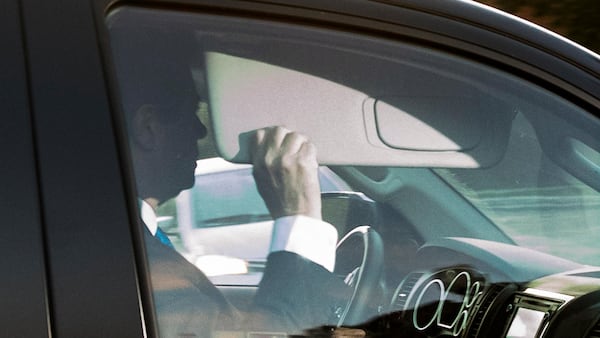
[308,237]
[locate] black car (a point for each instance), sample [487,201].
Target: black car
[470,139]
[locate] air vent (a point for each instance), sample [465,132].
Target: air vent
[477,321]
[403,291]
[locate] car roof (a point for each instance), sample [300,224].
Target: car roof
[494,19]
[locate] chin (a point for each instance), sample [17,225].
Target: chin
[188,186]
[175,186]
[189,182]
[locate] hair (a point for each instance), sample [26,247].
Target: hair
[153,68]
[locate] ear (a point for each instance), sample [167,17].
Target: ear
[145,127]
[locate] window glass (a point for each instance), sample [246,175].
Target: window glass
[536,202]
[424,147]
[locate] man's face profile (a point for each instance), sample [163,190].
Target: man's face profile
[164,145]
[179,150]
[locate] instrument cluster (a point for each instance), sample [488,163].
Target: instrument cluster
[461,302]
[441,302]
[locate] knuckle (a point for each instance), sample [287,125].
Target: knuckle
[259,135]
[287,163]
[282,129]
[279,130]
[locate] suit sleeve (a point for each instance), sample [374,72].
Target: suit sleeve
[296,294]
[298,289]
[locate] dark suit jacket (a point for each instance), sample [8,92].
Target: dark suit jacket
[294,294]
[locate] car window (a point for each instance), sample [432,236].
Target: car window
[450,182]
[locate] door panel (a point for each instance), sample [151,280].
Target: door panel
[23,309]
[93,282]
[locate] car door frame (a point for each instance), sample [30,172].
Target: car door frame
[97,280]
[23,311]
[92,271]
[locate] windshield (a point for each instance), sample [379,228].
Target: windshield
[533,200]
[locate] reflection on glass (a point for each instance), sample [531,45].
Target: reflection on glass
[536,202]
[525,324]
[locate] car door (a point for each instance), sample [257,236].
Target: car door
[370,75]
[84,231]
[24,305]
[92,287]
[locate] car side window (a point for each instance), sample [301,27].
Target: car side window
[429,158]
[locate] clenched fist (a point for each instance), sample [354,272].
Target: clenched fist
[286,172]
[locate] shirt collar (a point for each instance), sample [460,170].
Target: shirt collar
[148,217]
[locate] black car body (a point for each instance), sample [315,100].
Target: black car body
[72,252]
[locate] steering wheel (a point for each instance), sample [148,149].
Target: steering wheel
[362,270]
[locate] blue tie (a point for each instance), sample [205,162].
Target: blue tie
[162,236]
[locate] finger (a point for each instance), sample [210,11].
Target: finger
[292,143]
[308,155]
[267,144]
[274,137]
[271,147]
[256,147]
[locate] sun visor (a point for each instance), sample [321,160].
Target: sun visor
[348,126]
[436,123]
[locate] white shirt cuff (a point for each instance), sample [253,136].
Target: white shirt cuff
[308,237]
[148,217]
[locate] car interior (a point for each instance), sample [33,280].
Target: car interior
[474,193]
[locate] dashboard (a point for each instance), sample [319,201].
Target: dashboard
[478,299]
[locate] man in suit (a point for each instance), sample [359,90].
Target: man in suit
[298,290]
